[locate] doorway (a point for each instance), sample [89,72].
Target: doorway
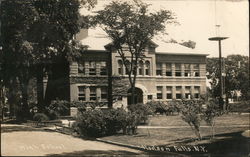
[138,98]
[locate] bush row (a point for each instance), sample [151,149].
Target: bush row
[96,122]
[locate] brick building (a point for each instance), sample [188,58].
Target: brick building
[169,71]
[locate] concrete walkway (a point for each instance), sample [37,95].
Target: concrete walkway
[43,143]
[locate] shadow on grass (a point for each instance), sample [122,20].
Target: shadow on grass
[114,153]
[95,152]
[14,128]
[228,144]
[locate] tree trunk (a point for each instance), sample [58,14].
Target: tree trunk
[213,131]
[132,94]
[196,131]
[110,80]
[58,83]
[25,114]
[40,89]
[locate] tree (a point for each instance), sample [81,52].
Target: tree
[190,44]
[236,69]
[131,28]
[191,113]
[211,112]
[37,38]
[16,65]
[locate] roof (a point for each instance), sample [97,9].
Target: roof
[97,39]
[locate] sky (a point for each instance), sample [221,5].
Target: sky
[197,20]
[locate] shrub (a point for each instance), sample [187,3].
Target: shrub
[191,113]
[58,108]
[92,123]
[39,117]
[133,120]
[96,123]
[115,120]
[211,111]
[141,110]
[81,106]
[163,107]
[240,107]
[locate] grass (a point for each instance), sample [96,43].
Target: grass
[168,136]
[228,137]
[14,128]
[224,120]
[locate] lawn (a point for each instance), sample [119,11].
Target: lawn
[177,136]
[224,120]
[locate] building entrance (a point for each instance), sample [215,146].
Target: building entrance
[138,98]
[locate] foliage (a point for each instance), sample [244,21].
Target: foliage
[115,120]
[237,72]
[141,110]
[58,108]
[240,107]
[166,107]
[39,117]
[131,28]
[92,123]
[190,44]
[96,123]
[15,44]
[54,24]
[120,87]
[211,111]
[191,113]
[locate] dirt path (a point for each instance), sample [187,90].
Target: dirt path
[41,143]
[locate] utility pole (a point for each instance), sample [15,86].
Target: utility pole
[222,93]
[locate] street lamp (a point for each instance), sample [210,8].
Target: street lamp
[222,96]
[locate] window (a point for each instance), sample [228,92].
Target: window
[178,92]
[197,92]
[81,68]
[81,93]
[158,69]
[120,67]
[103,68]
[150,97]
[92,68]
[104,94]
[196,70]
[187,92]
[168,69]
[147,68]
[159,92]
[169,92]
[127,62]
[92,95]
[178,70]
[140,68]
[187,70]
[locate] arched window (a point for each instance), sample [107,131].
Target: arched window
[127,62]
[196,70]
[140,68]
[120,67]
[92,68]
[81,68]
[147,68]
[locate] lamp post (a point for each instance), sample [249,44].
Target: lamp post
[222,96]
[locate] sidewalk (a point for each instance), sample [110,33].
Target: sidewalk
[44,143]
